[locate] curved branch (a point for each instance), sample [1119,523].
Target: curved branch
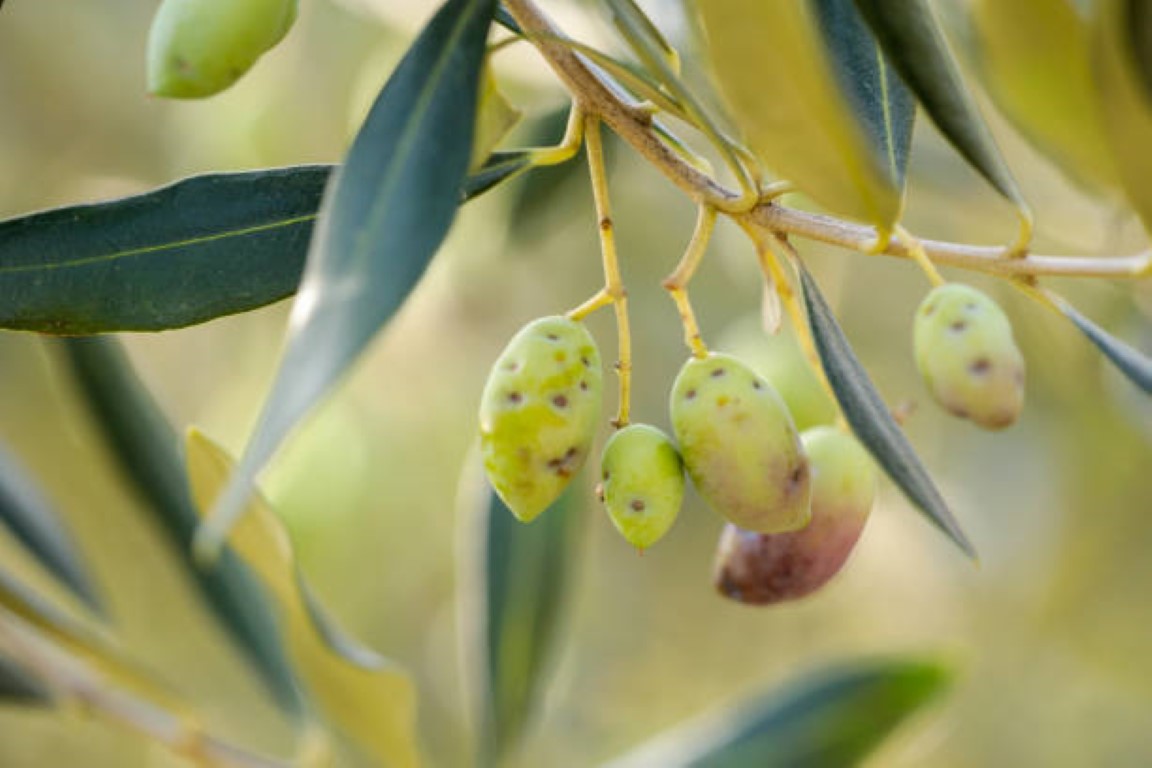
[635,127]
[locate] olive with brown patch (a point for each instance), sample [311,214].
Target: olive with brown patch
[641,483]
[539,413]
[761,569]
[967,356]
[739,445]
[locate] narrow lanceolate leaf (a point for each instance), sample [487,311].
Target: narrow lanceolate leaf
[910,35]
[1033,57]
[384,216]
[870,418]
[198,249]
[149,454]
[1124,103]
[28,516]
[832,718]
[648,44]
[1140,28]
[515,579]
[777,66]
[20,687]
[358,692]
[1136,366]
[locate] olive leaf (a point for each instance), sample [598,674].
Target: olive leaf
[385,213]
[1124,103]
[835,717]
[1136,366]
[910,36]
[514,581]
[870,418]
[359,692]
[806,85]
[1033,57]
[18,686]
[28,516]
[149,454]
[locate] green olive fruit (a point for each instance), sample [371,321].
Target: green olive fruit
[197,48]
[967,356]
[539,413]
[761,569]
[641,483]
[780,360]
[739,445]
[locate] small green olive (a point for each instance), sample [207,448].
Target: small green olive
[641,483]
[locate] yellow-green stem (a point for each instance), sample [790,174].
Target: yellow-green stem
[677,283]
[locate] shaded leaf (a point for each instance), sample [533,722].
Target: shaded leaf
[1124,104]
[1136,366]
[643,37]
[1140,28]
[200,248]
[1041,80]
[384,216]
[514,581]
[30,518]
[781,77]
[18,686]
[504,19]
[361,693]
[870,418]
[832,718]
[500,167]
[909,34]
[149,454]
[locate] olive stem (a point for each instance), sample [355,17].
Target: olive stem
[613,291]
[916,248]
[634,125]
[677,283]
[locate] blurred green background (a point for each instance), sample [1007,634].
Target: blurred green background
[1051,631]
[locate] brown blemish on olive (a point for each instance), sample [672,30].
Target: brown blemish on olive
[587,363]
[584,386]
[959,326]
[553,337]
[980,366]
[638,505]
[560,401]
[718,373]
[515,397]
[690,394]
[512,365]
[564,465]
[757,385]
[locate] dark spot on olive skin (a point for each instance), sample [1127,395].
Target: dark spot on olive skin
[511,365]
[584,386]
[515,397]
[690,394]
[980,366]
[564,465]
[586,362]
[560,401]
[718,373]
[638,505]
[959,326]
[553,337]
[757,385]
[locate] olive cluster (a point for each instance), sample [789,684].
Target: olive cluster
[795,503]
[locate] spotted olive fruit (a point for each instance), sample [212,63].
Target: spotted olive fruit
[761,569]
[641,483]
[739,445]
[779,359]
[197,48]
[539,412]
[967,356]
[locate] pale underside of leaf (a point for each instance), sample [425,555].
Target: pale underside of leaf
[870,418]
[773,69]
[358,692]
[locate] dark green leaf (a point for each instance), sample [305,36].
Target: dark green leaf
[149,453]
[870,418]
[384,216]
[881,102]
[1129,361]
[193,251]
[519,576]
[834,718]
[504,19]
[30,518]
[20,687]
[198,249]
[910,36]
